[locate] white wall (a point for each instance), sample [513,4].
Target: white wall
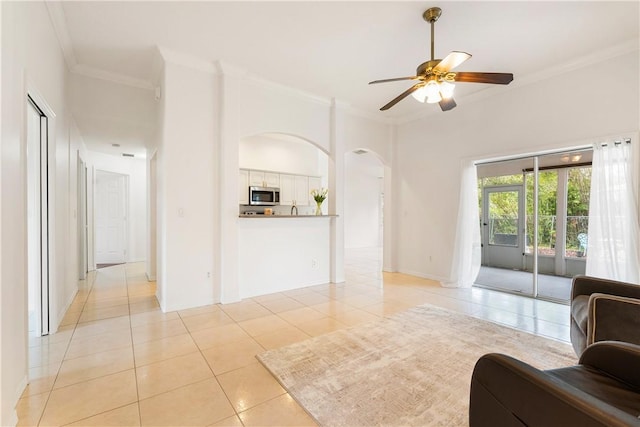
[268,107]
[136,170]
[296,157]
[108,112]
[31,60]
[565,111]
[364,175]
[372,135]
[280,254]
[186,191]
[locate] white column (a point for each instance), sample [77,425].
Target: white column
[389,250]
[227,201]
[186,183]
[336,188]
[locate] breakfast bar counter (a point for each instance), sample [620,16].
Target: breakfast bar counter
[287,253]
[262,216]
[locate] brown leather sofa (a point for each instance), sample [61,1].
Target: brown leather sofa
[603,310]
[602,390]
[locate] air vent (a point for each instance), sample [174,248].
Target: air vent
[115,145]
[361,151]
[127,155]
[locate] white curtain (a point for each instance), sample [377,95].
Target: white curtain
[467,251]
[613,214]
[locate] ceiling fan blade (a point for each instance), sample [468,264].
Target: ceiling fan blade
[451,61]
[494,78]
[400,97]
[447,104]
[394,80]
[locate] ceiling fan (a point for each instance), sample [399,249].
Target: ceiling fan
[435,79]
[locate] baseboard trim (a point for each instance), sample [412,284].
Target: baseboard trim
[424,276]
[62,312]
[13,414]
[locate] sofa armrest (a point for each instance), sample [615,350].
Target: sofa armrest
[620,360]
[587,285]
[508,392]
[613,318]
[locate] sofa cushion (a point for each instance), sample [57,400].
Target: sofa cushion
[580,311]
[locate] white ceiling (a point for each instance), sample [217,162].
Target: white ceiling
[334,48]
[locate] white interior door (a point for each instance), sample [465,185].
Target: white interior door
[37,221]
[82,219]
[111,217]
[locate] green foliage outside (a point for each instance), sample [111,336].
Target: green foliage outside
[504,210]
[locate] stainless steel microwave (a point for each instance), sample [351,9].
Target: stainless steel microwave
[264,196]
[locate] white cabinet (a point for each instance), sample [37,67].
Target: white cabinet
[287,189]
[256,178]
[294,188]
[272,179]
[264,179]
[302,190]
[243,187]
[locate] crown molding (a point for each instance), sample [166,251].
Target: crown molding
[581,62]
[187,60]
[308,96]
[59,22]
[156,67]
[229,69]
[353,111]
[614,51]
[97,73]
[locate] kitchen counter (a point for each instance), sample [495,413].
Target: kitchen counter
[287,216]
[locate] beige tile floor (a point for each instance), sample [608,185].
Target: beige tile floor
[118,360]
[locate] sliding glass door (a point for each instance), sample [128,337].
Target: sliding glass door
[534,214]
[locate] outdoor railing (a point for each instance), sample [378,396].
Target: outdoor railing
[574,234]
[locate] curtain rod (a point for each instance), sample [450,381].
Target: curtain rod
[531,156]
[550,153]
[627,140]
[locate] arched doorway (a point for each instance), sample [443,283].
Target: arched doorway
[364,211]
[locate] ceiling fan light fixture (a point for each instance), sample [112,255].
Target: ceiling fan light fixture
[434,77]
[420,94]
[432,89]
[434,99]
[446,90]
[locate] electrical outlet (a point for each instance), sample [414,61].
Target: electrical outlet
[208,274]
[314,264]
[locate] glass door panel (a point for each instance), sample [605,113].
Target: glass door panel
[502,196]
[503,240]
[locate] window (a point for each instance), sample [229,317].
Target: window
[578,190]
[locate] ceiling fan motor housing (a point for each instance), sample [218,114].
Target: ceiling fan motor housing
[432,14]
[426,67]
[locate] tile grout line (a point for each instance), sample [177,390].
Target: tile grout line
[44,407]
[133,348]
[237,414]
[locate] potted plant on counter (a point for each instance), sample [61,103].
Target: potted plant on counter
[319,195]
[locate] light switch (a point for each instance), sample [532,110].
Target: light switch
[180,213]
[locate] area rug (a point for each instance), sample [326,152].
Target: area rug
[410,369]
